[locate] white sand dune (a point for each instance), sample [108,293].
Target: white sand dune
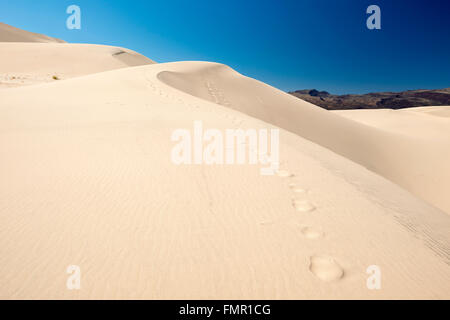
[35,63]
[12,34]
[426,123]
[87,180]
[416,163]
[28,58]
[427,130]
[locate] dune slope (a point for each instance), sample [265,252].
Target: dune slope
[12,34]
[414,163]
[87,180]
[426,123]
[34,63]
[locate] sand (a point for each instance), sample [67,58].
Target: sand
[419,165]
[12,34]
[87,180]
[28,58]
[425,152]
[36,63]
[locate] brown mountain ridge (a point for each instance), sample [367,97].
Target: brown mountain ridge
[378,100]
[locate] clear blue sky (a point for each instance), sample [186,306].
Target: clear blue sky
[321,44]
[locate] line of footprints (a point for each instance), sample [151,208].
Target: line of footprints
[322,266]
[162,92]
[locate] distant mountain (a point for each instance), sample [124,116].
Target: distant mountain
[378,100]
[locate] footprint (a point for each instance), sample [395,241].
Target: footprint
[303,205]
[325,268]
[284,174]
[311,233]
[296,189]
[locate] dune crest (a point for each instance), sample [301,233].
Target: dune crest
[35,63]
[28,58]
[12,34]
[416,164]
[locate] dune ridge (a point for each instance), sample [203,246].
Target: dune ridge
[417,164]
[36,63]
[12,34]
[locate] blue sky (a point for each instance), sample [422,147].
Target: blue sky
[288,44]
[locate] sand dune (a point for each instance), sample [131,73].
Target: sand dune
[413,162]
[429,129]
[87,180]
[425,123]
[25,62]
[35,63]
[11,34]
